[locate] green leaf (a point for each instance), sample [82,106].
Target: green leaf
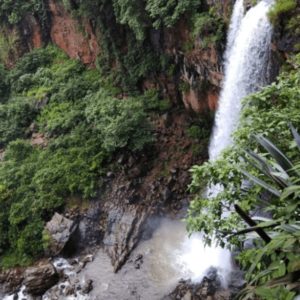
[295,135]
[282,160]
[262,183]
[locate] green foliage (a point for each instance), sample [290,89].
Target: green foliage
[200,129]
[29,64]
[275,263]
[280,8]
[15,117]
[208,28]
[8,40]
[12,12]
[116,124]
[152,102]
[82,126]
[132,14]
[4,84]
[167,12]
[265,113]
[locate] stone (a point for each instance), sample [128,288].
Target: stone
[87,286]
[133,199]
[40,278]
[138,261]
[60,230]
[166,118]
[124,227]
[166,194]
[11,280]
[187,296]
[110,175]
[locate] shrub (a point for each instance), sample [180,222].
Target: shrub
[280,8]
[15,116]
[4,85]
[208,28]
[118,123]
[167,12]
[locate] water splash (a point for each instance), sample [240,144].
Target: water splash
[195,259]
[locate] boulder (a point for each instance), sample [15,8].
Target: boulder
[87,286]
[59,229]
[11,280]
[124,228]
[40,278]
[209,288]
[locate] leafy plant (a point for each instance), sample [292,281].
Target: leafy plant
[81,126]
[280,8]
[276,262]
[208,28]
[167,12]
[271,262]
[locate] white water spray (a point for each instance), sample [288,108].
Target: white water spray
[234,27]
[246,70]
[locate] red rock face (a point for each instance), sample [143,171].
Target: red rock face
[200,103]
[201,68]
[36,40]
[78,42]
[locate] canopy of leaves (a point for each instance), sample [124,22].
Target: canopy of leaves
[81,125]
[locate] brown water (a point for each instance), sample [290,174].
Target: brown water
[153,270]
[167,257]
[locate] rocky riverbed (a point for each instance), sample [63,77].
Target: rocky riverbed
[126,243]
[169,265]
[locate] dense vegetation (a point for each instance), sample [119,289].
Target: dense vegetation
[58,118]
[131,33]
[80,126]
[275,192]
[61,125]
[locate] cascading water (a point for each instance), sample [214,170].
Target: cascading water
[235,24]
[246,70]
[170,254]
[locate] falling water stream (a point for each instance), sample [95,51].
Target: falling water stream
[246,69]
[170,254]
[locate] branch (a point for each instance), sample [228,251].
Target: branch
[253,224]
[251,229]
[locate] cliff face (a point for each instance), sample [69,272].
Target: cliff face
[78,40]
[197,61]
[76,37]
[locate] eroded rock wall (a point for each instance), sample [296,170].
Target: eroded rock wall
[199,66]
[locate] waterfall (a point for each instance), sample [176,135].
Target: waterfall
[246,69]
[235,24]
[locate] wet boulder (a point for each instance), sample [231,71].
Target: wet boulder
[209,288]
[124,228]
[59,230]
[40,278]
[10,281]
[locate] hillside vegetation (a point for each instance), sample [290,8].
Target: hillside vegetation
[59,129]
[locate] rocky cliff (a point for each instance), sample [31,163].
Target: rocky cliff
[196,65]
[194,68]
